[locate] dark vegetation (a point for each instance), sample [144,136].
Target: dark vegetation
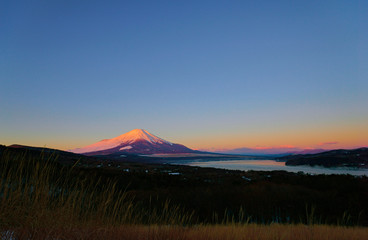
[357,158]
[207,195]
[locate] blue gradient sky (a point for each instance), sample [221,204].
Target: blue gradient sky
[207,74]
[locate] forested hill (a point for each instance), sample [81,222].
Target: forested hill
[335,158]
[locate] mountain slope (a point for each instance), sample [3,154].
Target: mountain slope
[62,157]
[137,141]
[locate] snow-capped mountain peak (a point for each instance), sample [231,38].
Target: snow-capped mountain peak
[139,134]
[135,141]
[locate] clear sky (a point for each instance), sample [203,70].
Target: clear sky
[207,74]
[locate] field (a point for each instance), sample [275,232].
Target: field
[40,198]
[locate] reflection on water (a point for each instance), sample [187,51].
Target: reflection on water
[271,165]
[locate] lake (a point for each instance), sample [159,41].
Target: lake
[271,165]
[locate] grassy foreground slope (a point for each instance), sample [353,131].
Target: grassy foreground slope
[43,199]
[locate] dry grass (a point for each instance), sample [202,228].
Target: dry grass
[34,194]
[201,232]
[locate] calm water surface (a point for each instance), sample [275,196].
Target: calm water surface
[271,165]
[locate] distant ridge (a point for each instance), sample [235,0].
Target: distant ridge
[137,141]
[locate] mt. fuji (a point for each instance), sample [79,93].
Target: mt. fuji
[137,141]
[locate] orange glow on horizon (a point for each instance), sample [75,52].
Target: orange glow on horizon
[325,137]
[281,146]
[330,137]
